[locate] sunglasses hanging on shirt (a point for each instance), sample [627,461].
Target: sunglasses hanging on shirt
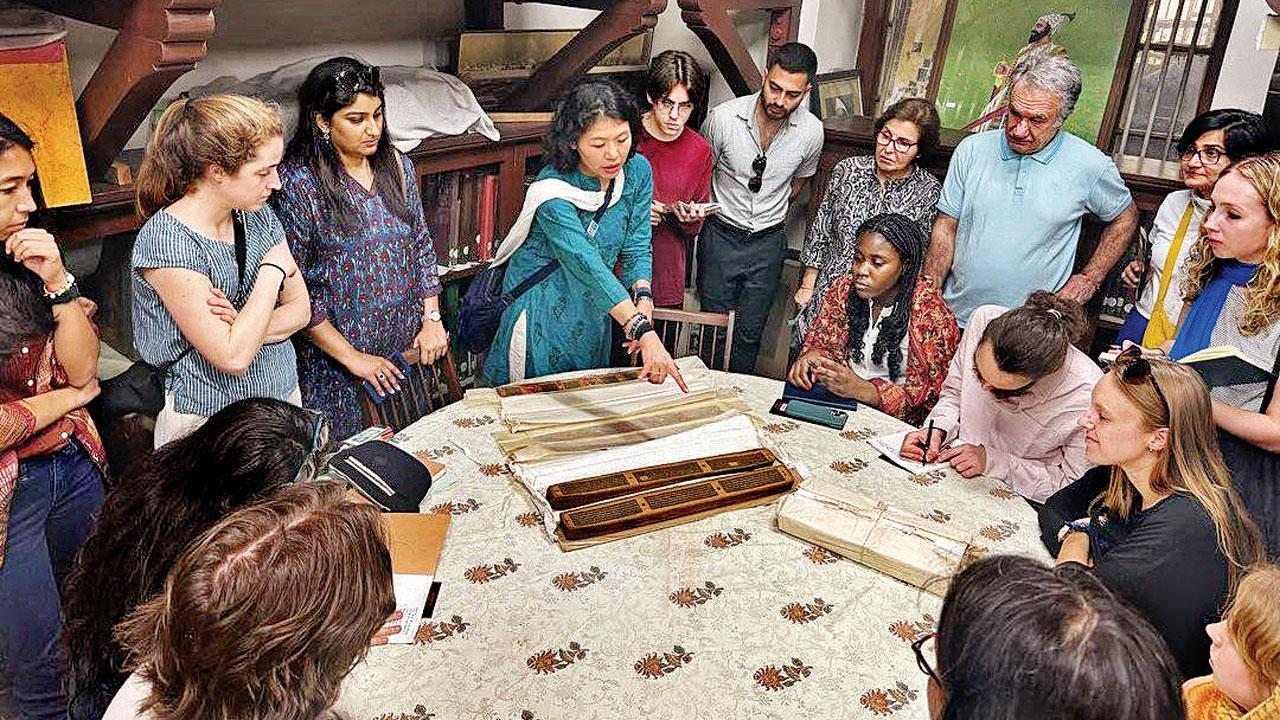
[757,166]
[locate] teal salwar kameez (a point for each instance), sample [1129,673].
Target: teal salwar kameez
[563,322]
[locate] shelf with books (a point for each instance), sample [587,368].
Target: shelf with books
[472,189]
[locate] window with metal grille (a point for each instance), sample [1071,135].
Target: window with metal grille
[1175,67]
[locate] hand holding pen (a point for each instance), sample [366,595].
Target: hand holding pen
[924,445]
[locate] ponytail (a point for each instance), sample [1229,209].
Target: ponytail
[193,134]
[1033,340]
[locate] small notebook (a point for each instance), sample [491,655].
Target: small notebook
[1224,365]
[890,445]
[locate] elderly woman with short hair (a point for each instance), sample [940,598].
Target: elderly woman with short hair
[888,181]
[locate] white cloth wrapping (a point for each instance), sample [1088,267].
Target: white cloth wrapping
[605,402]
[832,515]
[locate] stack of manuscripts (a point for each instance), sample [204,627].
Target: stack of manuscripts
[584,446]
[898,544]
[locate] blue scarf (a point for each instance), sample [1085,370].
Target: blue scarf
[1197,327]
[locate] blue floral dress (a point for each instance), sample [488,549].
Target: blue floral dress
[563,322]
[369,283]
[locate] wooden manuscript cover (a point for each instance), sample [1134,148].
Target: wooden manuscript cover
[576,493]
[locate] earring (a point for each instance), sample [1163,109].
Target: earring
[324,133]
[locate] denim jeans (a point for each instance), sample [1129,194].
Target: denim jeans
[53,507]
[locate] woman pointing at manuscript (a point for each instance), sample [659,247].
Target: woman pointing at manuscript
[569,242]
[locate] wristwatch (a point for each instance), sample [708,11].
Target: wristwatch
[434,316]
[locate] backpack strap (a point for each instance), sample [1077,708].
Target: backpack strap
[545,271]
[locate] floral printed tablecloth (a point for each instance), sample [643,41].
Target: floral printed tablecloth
[722,618]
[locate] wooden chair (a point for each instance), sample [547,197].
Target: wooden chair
[705,334]
[424,389]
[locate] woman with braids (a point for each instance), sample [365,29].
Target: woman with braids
[51,458]
[1158,520]
[216,292]
[164,501]
[1232,297]
[1014,390]
[587,212]
[349,203]
[883,335]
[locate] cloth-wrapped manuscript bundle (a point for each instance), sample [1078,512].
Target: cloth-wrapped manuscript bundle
[898,544]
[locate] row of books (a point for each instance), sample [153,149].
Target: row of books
[461,208]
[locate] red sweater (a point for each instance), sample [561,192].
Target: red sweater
[681,171]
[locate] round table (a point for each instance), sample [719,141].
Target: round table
[723,617]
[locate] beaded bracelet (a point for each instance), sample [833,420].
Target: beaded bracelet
[640,293]
[637,326]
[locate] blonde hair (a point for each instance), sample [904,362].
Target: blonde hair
[192,134]
[1190,462]
[266,612]
[1262,294]
[1253,620]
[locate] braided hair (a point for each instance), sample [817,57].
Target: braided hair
[909,240]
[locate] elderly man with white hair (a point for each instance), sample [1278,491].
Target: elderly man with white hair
[1012,203]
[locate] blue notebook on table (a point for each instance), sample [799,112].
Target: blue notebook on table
[819,395]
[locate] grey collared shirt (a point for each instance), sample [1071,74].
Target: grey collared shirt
[735,140]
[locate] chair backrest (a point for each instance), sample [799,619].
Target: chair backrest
[425,389]
[705,334]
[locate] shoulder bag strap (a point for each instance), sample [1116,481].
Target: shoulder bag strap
[1271,386]
[545,271]
[242,247]
[242,253]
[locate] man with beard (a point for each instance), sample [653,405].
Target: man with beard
[1038,43]
[766,147]
[1009,216]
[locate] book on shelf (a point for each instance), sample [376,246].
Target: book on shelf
[461,208]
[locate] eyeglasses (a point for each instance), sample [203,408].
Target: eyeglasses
[666,106]
[319,431]
[900,144]
[1001,393]
[917,647]
[1209,154]
[1134,368]
[757,166]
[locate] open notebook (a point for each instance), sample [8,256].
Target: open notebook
[890,445]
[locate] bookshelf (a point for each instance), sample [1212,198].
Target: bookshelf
[472,190]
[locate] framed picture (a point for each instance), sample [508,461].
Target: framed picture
[913,49]
[986,39]
[837,95]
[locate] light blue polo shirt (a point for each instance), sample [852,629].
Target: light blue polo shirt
[1020,215]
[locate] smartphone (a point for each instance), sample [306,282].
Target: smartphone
[809,412]
[708,208]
